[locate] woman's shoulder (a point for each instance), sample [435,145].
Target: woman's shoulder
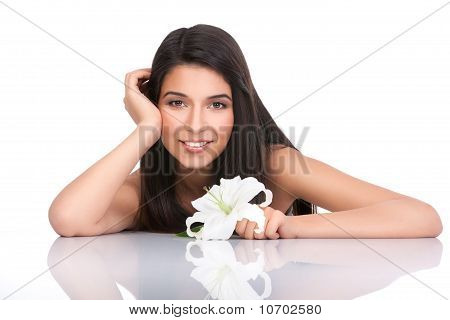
[277,146]
[281,155]
[279,149]
[284,165]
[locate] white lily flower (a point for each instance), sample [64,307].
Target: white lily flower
[223,206]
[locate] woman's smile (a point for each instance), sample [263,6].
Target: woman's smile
[196,146]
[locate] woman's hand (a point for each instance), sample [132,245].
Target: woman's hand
[141,109]
[276,226]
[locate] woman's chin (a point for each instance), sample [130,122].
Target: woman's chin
[195,163]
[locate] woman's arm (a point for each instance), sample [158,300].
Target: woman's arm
[100,199]
[83,203]
[397,218]
[359,209]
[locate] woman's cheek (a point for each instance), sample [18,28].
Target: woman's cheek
[223,125]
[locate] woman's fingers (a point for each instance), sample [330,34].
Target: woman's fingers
[240,227]
[262,235]
[246,228]
[141,109]
[272,225]
[249,230]
[132,78]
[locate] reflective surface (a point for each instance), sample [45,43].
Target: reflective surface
[141,265]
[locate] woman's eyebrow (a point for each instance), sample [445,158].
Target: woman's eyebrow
[222,95]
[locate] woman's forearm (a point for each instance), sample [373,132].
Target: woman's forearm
[398,218]
[85,200]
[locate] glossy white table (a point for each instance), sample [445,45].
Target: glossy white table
[142,265]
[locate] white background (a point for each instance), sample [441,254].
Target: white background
[385,121]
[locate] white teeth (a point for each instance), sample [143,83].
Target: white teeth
[195,144]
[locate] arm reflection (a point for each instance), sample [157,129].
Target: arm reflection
[161,266]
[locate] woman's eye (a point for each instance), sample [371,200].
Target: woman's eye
[171,103]
[179,104]
[219,106]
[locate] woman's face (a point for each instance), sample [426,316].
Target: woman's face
[196,108]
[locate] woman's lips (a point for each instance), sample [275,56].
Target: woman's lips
[196,149]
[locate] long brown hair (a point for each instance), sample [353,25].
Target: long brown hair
[254,132]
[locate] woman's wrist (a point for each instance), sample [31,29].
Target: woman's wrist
[290,229]
[148,134]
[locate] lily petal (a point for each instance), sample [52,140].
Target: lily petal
[230,189]
[197,217]
[219,226]
[248,189]
[251,212]
[225,204]
[206,203]
[269,197]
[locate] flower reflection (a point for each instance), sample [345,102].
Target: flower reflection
[223,276]
[150,266]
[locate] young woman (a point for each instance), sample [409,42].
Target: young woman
[199,118]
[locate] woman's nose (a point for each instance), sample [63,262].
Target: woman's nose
[196,119]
